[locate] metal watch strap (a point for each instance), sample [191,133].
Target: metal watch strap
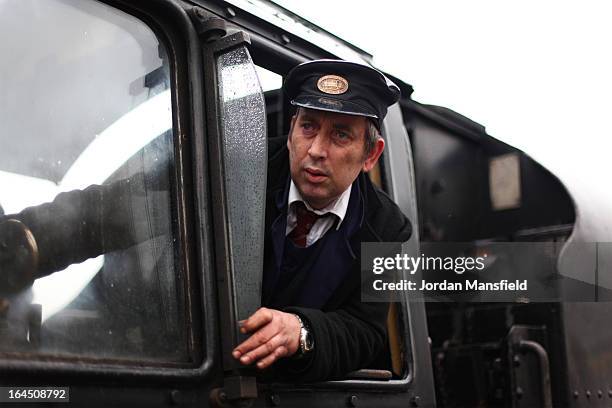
[304,333]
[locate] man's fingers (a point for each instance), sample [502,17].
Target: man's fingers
[260,337]
[271,358]
[263,350]
[260,318]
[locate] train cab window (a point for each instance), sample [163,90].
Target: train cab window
[269,81]
[87,123]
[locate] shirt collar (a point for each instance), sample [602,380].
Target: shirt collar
[337,207]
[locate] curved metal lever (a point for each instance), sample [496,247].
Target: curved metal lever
[540,352]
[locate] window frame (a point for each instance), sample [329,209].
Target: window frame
[173,28]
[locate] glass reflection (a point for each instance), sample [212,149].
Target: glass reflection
[89,110]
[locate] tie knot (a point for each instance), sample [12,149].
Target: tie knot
[304,216]
[305,220]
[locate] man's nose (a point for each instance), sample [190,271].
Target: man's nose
[318,147]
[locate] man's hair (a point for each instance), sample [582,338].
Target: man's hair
[372,134]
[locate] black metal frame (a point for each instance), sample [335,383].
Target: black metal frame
[262,31]
[227,299]
[174,28]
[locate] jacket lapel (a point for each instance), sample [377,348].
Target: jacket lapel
[371,204]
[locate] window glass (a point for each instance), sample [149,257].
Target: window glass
[86,127]
[278,108]
[243,130]
[268,80]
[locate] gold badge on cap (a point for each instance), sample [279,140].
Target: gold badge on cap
[332,84]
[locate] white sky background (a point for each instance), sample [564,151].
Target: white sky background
[537,74]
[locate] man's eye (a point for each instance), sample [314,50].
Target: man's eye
[307,128]
[343,136]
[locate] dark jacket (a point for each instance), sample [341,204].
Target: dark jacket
[349,334]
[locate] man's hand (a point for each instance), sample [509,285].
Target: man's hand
[276,334]
[18,256]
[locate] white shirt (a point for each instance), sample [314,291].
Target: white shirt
[337,207]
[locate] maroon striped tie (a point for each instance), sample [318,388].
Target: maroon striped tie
[305,220]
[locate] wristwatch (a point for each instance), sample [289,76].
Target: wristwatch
[306,338]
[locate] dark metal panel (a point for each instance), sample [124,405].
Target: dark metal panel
[587,335]
[356,397]
[284,59]
[452,160]
[451,121]
[450,181]
[578,343]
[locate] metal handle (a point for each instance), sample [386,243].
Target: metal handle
[540,352]
[370,374]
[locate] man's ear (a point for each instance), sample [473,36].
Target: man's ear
[374,154]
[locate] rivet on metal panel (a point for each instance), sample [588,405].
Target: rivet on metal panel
[285,39]
[217,398]
[497,364]
[353,401]
[576,394]
[517,361]
[415,401]
[275,400]
[519,392]
[610,393]
[588,393]
[600,393]
[230,12]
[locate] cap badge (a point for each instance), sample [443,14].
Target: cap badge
[332,84]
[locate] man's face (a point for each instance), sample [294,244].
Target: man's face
[327,152]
